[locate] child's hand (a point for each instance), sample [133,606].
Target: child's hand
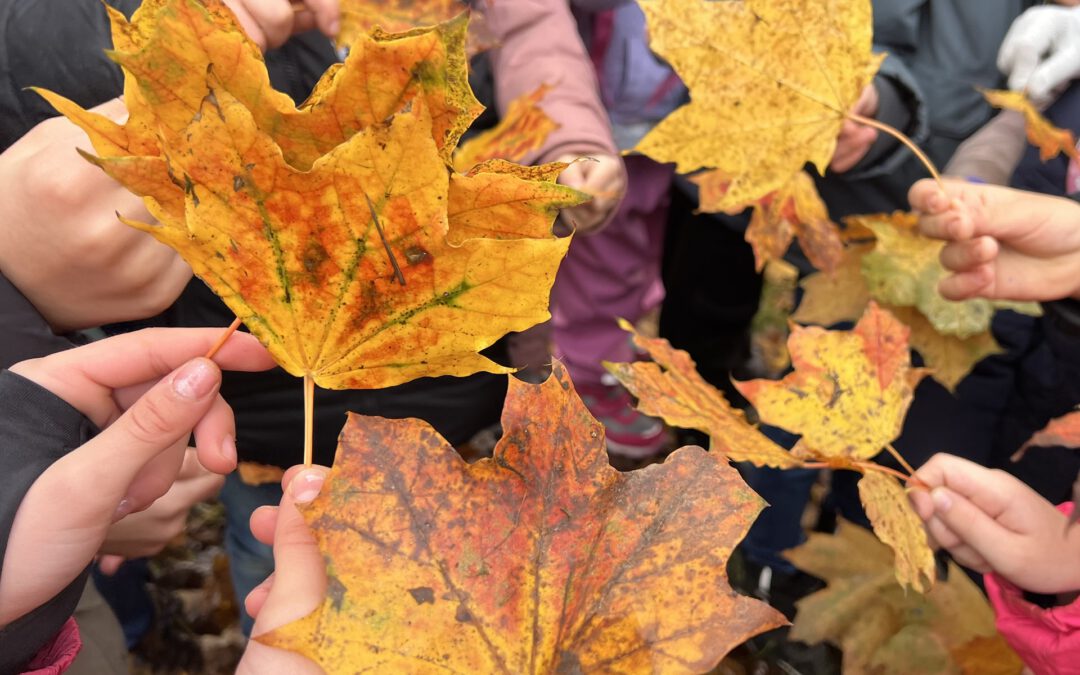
[270,23]
[1004,244]
[603,177]
[991,522]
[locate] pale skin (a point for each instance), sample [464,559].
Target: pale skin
[603,177]
[855,139]
[1003,244]
[148,391]
[990,521]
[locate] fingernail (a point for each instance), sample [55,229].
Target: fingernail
[942,500]
[228,449]
[306,486]
[122,509]
[195,379]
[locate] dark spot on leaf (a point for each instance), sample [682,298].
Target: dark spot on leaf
[314,255]
[416,255]
[336,591]
[463,615]
[423,594]
[238,183]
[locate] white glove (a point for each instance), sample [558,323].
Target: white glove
[1041,51]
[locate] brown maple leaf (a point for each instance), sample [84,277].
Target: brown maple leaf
[542,559]
[1049,139]
[882,628]
[771,83]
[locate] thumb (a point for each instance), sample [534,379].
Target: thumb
[973,526]
[158,420]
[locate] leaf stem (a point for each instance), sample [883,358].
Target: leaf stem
[899,458]
[872,466]
[899,135]
[309,418]
[224,338]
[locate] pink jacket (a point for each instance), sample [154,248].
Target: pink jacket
[1047,640]
[539,44]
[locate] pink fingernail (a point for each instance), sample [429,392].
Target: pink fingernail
[306,486]
[195,379]
[942,500]
[122,509]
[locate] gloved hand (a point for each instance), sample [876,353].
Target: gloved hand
[1041,51]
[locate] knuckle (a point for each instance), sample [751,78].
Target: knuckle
[150,421]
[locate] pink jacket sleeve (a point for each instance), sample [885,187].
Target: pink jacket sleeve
[1047,640]
[58,655]
[539,44]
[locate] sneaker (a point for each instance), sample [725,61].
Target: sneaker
[630,434]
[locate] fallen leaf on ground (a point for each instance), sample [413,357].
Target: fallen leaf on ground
[348,267]
[771,82]
[542,559]
[1049,139]
[795,209]
[879,625]
[903,270]
[523,129]
[849,391]
[672,389]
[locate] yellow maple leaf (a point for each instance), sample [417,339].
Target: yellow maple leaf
[771,325]
[523,129]
[542,559]
[771,82]
[795,208]
[829,299]
[897,524]
[1049,139]
[949,358]
[882,628]
[849,391]
[334,230]
[672,389]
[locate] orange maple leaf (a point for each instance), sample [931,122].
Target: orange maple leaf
[771,83]
[334,230]
[542,559]
[1049,139]
[1063,431]
[523,129]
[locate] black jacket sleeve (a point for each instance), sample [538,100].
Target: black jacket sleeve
[36,429]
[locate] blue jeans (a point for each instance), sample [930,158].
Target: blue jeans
[250,561]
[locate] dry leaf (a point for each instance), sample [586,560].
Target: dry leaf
[984,655]
[1063,431]
[254,473]
[849,391]
[542,559]
[897,524]
[348,268]
[829,299]
[904,271]
[359,17]
[1049,139]
[879,625]
[771,82]
[523,129]
[949,358]
[672,389]
[795,209]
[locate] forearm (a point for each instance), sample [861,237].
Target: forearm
[992,153]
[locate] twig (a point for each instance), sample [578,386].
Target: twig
[224,338]
[309,418]
[390,252]
[898,135]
